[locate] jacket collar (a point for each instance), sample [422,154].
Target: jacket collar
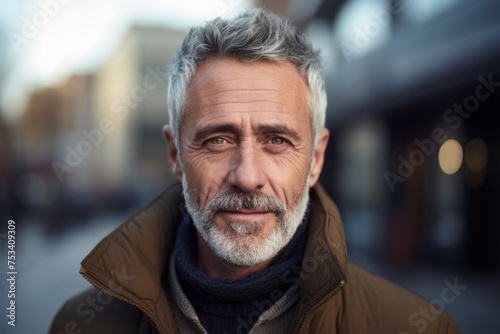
[130,262]
[325,258]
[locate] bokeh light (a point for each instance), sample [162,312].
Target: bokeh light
[450,156]
[476,155]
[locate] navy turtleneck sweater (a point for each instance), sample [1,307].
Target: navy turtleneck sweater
[234,305]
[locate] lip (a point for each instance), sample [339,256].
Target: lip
[245,213]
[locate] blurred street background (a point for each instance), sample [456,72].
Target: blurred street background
[413,160]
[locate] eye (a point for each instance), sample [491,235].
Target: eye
[217,141]
[277,141]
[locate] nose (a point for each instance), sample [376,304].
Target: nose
[247,172]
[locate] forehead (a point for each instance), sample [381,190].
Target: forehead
[232,86]
[216,70]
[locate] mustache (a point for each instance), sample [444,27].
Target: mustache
[234,200]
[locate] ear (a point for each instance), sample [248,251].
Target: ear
[318,157]
[173,153]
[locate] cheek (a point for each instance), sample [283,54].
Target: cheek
[288,176]
[204,168]
[295,164]
[205,176]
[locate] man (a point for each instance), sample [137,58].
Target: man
[250,243]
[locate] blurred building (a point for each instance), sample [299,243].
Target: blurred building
[413,91]
[131,101]
[48,126]
[95,141]
[52,117]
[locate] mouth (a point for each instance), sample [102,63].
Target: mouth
[246,211]
[244,214]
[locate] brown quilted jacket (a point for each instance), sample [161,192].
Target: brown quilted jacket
[127,270]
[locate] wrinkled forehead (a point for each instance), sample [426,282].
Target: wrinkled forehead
[218,81]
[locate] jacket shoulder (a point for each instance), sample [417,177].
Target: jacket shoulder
[92,311]
[372,302]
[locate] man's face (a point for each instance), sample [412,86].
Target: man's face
[246,149]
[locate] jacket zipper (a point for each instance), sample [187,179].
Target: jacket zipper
[321,302]
[99,286]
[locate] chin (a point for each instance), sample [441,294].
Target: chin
[248,250]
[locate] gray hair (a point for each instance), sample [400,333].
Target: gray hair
[254,35]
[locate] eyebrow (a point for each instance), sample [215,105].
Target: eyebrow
[209,129]
[276,129]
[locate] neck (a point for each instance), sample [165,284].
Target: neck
[213,266]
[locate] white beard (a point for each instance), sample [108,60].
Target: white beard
[243,244]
